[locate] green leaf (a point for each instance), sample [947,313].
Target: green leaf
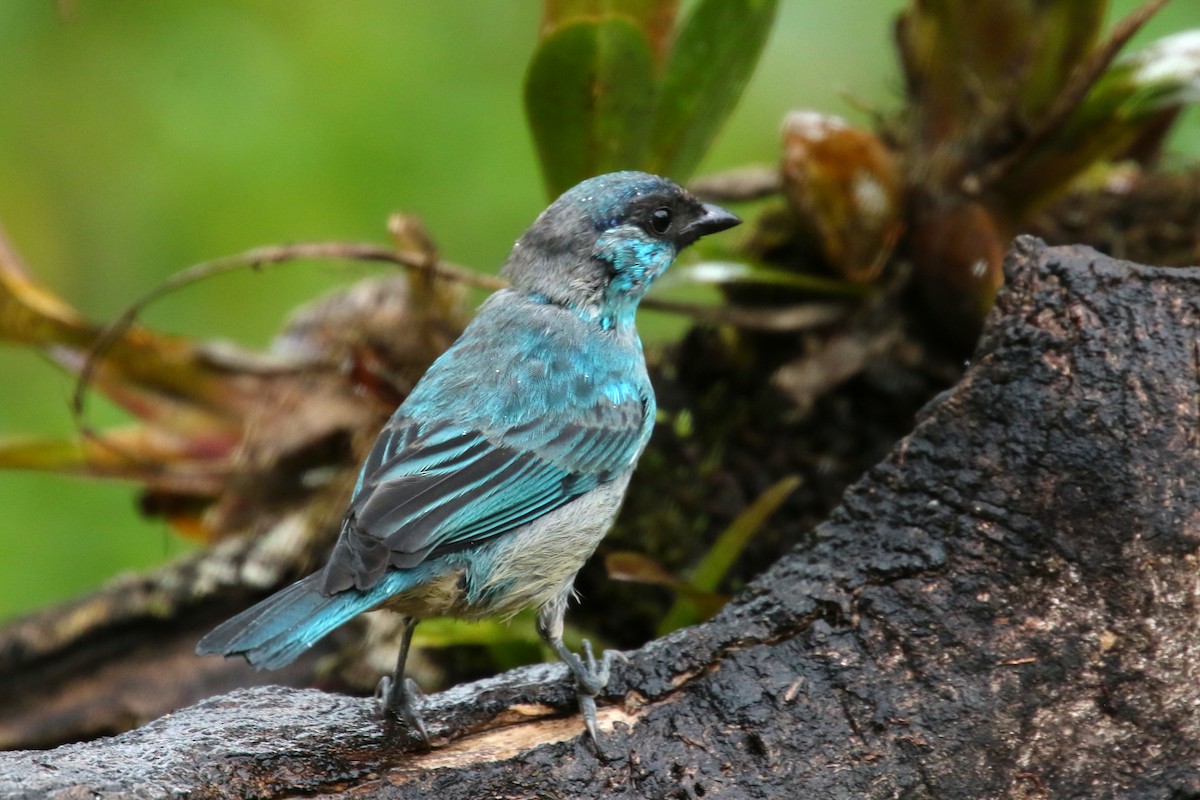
[713,57]
[623,565]
[715,564]
[711,570]
[589,95]
[510,643]
[1065,33]
[62,455]
[447,632]
[656,18]
[961,56]
[1132,94]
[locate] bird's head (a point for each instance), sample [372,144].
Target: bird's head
[599,246]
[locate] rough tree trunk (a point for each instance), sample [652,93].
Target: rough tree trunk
[1006,606]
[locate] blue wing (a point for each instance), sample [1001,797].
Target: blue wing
[476,452]
[428,494]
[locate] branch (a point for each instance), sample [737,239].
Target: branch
[1005,606]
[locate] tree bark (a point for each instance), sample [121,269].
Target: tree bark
[1006,606]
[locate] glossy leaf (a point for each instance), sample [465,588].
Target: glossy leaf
[589,96]
[713,56]
[656,18]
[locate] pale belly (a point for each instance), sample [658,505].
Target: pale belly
[523,569]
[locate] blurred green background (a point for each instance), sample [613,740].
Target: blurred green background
[143,136]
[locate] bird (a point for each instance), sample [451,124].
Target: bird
[497,477]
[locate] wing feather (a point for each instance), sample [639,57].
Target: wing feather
[426,493]
[528,410]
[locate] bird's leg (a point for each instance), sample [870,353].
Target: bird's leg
[590,677]
[399,693]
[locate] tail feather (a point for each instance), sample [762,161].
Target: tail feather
[279,629]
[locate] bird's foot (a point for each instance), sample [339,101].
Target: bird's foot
[590,676]
[398,699]
[590,679]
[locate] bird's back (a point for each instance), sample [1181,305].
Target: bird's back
[533,407]
[522,359]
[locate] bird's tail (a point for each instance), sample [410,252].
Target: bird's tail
[277,630]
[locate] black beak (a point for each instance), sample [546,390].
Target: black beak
[713,219]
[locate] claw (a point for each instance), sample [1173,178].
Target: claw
[590,678]
[382,690]
[413,690]
[399,701]
[587,707]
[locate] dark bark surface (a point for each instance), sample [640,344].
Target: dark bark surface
[1006,606]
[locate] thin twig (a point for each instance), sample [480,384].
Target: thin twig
[788,318]
[738,185]
[782,319]
[255,259]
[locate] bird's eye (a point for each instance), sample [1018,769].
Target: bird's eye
[660,220]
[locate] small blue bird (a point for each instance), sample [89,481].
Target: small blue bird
[497,477]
